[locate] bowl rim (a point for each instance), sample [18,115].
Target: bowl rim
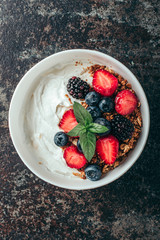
[36,67]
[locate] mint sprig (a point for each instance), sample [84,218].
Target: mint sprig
[81,114]
[88,144]
[97,128]
[80,128]
[86,130]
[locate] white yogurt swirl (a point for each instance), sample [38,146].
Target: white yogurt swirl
[44,111]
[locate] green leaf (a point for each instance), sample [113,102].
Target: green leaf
[81,114]
[88,144]
[97,128]
[77,130]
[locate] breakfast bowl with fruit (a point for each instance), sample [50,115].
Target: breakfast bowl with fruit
[79,119]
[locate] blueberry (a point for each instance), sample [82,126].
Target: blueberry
[103,122]
[106,105]
[93,172]
[94,111]
[92,98]
[79,146]
[60,139]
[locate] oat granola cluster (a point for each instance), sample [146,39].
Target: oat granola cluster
[135,117]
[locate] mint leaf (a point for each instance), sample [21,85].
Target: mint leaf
[97,128]
[76,130]
[88,144]
[81,114]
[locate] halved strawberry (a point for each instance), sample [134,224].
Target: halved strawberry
[107,148]
[104,82]
[68,121]
[74,158]
[125,102]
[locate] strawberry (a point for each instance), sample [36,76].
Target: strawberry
[68,121]
[125,102]
[104,82]
[74,158]
[107,148]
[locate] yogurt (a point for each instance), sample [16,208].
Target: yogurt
[44,111]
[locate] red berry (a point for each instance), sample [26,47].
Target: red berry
[104,82]
[74,158]
[68,121]
[107,148]
[125,102]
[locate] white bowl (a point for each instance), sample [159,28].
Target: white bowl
[17,106]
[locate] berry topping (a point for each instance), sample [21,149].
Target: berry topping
[92,98]
[107,148]
[74,158]
[68,121]
[125,102]
[93,172]
[104,82]
[60,139]
[106,105]
[122,127]
[79,146]
[77,88]
[94,111]
[103,122]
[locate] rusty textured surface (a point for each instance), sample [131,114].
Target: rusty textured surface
[129,207]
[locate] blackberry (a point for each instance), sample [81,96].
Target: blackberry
[122,128]
[77,88]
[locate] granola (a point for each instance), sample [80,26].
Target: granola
[135,117]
